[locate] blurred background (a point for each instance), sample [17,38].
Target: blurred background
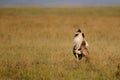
[36,39]
[58,2]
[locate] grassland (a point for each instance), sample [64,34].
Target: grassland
[36,43]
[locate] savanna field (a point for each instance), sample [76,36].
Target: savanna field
[36,43]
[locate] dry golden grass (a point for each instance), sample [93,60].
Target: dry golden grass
[38,46]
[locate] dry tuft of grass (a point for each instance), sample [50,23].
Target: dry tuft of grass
[36,43]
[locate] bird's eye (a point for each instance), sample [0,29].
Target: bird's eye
[76,35]
[83,35]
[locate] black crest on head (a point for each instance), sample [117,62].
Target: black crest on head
[79,30]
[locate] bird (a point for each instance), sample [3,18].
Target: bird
[80,45]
